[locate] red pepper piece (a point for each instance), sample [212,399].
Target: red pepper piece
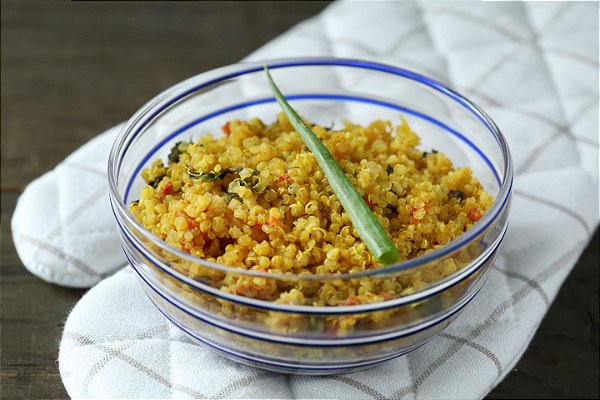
[351,301]
[474,214]
[226,130]
[167,189]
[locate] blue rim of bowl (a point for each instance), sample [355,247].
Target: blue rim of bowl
[285,366]
[311,342]
[425,294]
[178,92]
[307,96]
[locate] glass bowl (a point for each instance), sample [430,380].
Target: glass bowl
[302,338]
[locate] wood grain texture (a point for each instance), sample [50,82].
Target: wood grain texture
[73,69]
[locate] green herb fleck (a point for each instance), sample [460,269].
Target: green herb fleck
[174,154]
[433,151]
[392,209]
[258,188]
[156,181]
[213,175]
[458,194]
[231,196]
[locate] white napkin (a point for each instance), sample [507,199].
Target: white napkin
[532,66]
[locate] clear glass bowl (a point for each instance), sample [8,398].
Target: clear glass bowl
[303,338]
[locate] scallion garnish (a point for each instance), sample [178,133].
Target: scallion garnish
[370,230]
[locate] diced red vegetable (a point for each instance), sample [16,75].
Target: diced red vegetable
[226,129]
[284,180]
[167,189]
[191,221]
[413,220]
[474,214]
[273,221]
[351,301]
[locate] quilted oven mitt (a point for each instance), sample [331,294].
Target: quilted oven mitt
[70,237]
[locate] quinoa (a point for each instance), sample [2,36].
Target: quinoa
[256,199]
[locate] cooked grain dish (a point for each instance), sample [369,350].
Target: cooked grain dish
[256,199]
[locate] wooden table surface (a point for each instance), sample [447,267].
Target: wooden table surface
[73,69]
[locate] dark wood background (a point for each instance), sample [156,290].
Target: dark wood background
[70,70]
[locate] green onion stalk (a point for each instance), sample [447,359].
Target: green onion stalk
[368,227]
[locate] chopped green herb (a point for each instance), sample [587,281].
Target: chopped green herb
[433,151]
[231,196]
[174,154]
[213,175]
[458,194]
[392,209]
[251,181]
[156,181]
[370,230]
[193,174]
[258,187]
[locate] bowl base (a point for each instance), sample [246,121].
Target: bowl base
[296,369]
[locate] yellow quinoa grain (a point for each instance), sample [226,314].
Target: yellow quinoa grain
[264,204]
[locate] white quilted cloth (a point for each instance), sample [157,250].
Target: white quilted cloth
[532,66]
